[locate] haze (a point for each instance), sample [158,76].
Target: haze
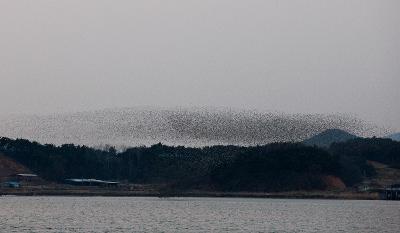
[339,56]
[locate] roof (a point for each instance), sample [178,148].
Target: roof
[27,175]
[392,189]
[91,181]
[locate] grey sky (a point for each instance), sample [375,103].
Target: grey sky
[290,56]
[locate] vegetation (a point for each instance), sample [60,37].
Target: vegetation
[381,150]
[273,167]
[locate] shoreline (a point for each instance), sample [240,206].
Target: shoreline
[345,195]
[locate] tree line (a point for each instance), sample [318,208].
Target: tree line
[272,167]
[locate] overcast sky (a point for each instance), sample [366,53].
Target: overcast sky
[340,56]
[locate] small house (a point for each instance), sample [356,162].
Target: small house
[26,177]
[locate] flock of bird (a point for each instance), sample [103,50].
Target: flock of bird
[177,126]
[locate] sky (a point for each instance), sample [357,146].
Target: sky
[316,56]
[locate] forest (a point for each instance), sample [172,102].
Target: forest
[272,167]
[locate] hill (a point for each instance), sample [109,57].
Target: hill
[327,137]
[10,167]
[274,167]
[394,137]
[385,175]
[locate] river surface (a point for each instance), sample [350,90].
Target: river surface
[142,214]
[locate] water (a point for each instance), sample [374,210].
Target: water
[141,214]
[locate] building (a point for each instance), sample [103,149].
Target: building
[26,177]
[392,192]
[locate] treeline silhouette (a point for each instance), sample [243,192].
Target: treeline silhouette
[272,167]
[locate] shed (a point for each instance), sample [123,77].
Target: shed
[26,176]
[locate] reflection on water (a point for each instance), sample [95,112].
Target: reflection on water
[141,214]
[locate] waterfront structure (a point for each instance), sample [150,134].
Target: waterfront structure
[392,192]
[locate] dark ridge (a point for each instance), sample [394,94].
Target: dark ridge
[272,167]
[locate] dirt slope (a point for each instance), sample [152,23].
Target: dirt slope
[10,167]
[385,176]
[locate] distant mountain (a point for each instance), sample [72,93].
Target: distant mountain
[394,137]
[327,137]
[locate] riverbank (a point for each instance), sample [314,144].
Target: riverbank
[85,192]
